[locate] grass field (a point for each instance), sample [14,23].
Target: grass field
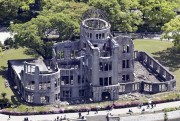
[151,46]
[164,53]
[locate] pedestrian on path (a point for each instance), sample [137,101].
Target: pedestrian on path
[79,114]
[147,106]
[152,105]
[107,117]
[143,110]
[57,118]
[64,117]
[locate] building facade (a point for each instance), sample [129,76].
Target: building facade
[94,65]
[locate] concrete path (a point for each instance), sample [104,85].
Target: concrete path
[4,34]
[117,112]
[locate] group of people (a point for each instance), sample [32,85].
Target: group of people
[150,105]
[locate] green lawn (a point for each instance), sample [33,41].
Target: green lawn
[151,46]
[163,52]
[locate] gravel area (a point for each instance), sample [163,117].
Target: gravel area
[142,73]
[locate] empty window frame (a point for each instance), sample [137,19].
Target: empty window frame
[103,36]
[79,79]
[105,66]
[126,77]
[106,81]
[60,55]
[71,80]
[101,66]
[126,48]
[90,36]
[110,65]
[126,64]
[101,81]
[81,92]
[44,85]
[99,36]
[96,36]
[73,54]
[66,94]
[65,79]
[110,80]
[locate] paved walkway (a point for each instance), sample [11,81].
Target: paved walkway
[4,34]
[51,117]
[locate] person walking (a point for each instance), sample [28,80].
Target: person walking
[88,111]
[79,114]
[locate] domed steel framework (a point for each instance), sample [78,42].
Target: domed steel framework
[95,13]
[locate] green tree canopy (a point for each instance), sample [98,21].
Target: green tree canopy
[121,16]
[9,8]
[158,12]
[64,17]
[172,31]
[33,34]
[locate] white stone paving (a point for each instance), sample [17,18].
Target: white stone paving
[4,36]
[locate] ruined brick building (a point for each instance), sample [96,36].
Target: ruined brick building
[98,66]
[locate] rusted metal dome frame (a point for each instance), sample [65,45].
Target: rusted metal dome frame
[95,13]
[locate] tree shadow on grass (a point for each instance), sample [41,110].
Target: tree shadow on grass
[3,71]
[169,58]
[14,100]
[31,52]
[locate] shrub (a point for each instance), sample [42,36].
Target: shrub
[9,42]
[169,109]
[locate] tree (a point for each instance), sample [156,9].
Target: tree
[172,31]
[9,42]
[57,16]
[9,8]
[63,25]
[35,33]
[121,14]
[158,12]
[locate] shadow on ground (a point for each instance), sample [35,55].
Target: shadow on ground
[3,71]
[31,52]
[169,58]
